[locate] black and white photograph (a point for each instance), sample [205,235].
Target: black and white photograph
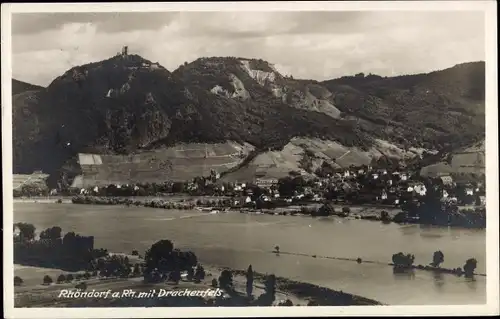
[158,158]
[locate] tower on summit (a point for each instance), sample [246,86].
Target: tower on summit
[125,51]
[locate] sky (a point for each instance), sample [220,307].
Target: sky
[309,45]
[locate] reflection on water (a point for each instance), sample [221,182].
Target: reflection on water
[438,279]
[471,283]
[237,240]
[403,274]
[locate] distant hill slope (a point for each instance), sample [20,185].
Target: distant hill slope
[21,87]
[178,163]
[464,162]
[442,109]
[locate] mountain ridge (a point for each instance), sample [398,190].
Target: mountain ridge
[128,104]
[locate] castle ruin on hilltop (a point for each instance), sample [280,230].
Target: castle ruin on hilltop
[124,52]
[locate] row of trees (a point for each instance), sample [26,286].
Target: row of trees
[225,282]
[403,261]
[164,262]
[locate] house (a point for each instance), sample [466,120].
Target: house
[483,200]
[308,190]
[375,175]
[445,194]
[446,179]
[266,183]
[264,198]
[420,189]
[469,191]
[383,196]
[403,176]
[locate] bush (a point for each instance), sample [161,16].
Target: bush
[135,253]
[437,258]
[384,216]
[61,279]
[190,274]
[18,281]
[47,280]
[215,284]
[82,285]
[401,260]
[226,279]
[470,266]
[199,275]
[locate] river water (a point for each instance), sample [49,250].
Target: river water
[237,240]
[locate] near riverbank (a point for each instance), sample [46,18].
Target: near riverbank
[288,292]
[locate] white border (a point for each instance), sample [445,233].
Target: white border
[492,260]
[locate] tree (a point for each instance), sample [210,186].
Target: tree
[437,258]
[190,274]
[158,255]
[199,275]
[69,277]
[82,285]
[135,253]
[178,187]
[249,276]
[175,276]
[47,280]
[478,200]
[18,281]
[401,260]
[325,210]
[384,216]
[61,279]
[226,279]
[469,267]
[51,233]
[136,271]
[26,231]
[270,287]
[69,238]
[214,283]
[346,211]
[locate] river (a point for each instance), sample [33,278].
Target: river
[237,240]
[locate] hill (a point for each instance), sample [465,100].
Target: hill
[462,163]
[21,87]
[127,104]
[441,110]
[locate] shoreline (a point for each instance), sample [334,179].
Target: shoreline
[299,292]
[283,211]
